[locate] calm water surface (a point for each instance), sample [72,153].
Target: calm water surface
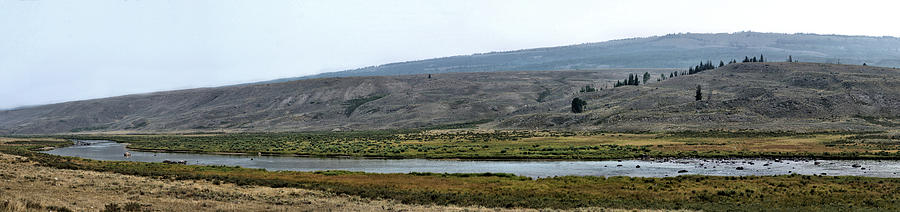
[107,150]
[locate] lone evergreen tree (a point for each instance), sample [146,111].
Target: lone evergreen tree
[761,58]
[721,63]
[578,105]
[699,95]
[790,60]
[646,77]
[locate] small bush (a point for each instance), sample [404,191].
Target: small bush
[132,206]
[112,207]
[58,208]
[34,205]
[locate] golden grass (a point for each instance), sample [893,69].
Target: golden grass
[616,138]
[811,144]
[8,139]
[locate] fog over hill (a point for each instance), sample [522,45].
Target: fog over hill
[669,51]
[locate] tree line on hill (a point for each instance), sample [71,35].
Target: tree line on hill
[636,79]
[633,79]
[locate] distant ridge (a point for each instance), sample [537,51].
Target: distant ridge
[669,51]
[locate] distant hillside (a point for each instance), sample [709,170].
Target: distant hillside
[669,51]
[761,96]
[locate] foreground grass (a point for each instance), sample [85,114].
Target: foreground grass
[490,144]
[786,193]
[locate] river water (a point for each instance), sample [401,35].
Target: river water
[107,150]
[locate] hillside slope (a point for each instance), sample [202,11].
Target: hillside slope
[669,51]
[766,96]
[317,104]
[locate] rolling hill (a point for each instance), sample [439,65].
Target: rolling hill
[742,96]
[407,101]
[765,96]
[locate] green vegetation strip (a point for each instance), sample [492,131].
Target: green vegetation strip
[525,144]
[768,193]
[355,103]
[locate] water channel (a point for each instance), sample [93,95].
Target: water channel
[112,151]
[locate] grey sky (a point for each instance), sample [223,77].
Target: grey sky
[62,50]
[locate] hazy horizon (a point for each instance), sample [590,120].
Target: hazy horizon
[56,51]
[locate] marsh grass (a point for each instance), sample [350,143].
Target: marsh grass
[500,144]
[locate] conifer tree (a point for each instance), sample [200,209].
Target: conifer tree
[790,60]
[746,59]
[578,105]
[630,80]
[699,95]
[761,58]
[646,77]
[721,63]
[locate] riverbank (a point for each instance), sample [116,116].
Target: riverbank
[712,193]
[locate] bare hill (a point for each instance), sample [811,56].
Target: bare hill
[767,96]
[317,104]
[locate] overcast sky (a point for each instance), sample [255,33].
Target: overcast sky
[62,50]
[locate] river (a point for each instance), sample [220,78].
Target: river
[111,151]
